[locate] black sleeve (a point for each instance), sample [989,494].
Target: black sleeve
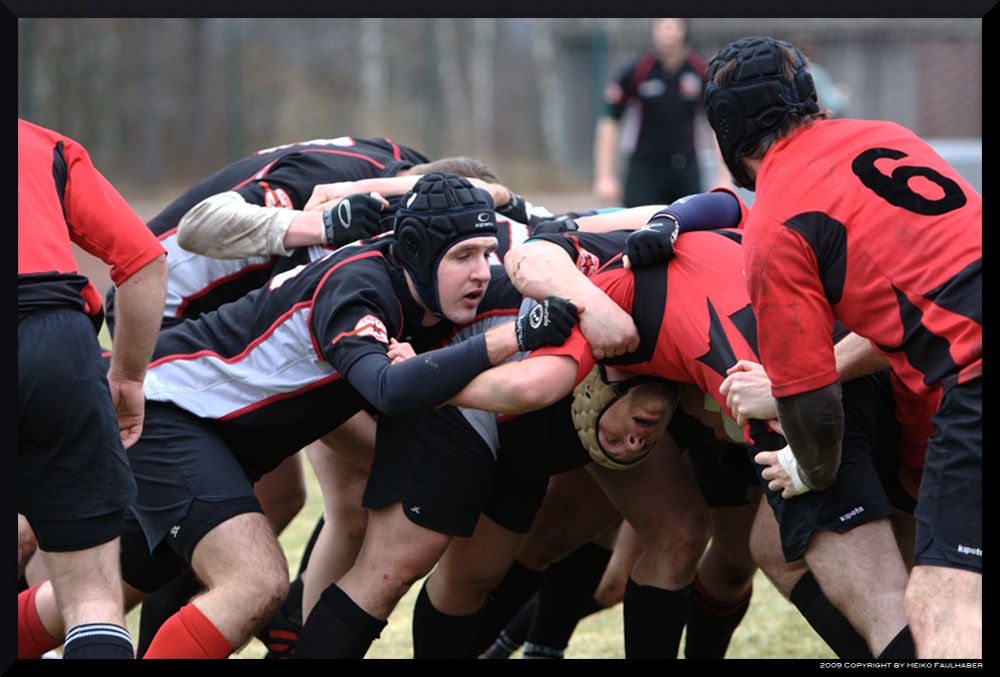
[420,383]
[814,427]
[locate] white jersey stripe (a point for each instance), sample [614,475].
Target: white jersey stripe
[278,365]
[192,276]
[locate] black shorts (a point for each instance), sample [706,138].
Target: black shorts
[533,447]
[189,480]
[141,569]
[871,438]
[659,181]
[950,506]
[73,477]
[437,464]
[720,467]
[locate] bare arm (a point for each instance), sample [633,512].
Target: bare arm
[539,269]
[606,135]
[621,219]
[857,357]
[519,387]
[139,311]
[326,195]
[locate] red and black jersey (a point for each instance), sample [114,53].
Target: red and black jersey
[63,199]
[664,104]
[282,177]
[692,313]
[863,223]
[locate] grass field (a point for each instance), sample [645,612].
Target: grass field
[772,627]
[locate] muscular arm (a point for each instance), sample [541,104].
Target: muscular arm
[428,379]
[539,268]
[519,387]
[857,357]
[813,423]
[139,311]
[620,219]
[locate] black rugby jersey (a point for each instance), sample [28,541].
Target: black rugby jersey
[283,177]
[273,369]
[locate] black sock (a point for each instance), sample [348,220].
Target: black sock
[440,635]
[513,635]
[98,640]
[163,604]
[539,651]
[654,620]
[901,647]
[281,632]
[503,603]
[337,628]
[827,620]
[312,543]
[711,623]
[566,591]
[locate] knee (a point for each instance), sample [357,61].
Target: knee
[681,543]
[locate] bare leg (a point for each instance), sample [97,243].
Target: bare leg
[471,567]
[862,574]
[343,484]
[244,589]
[282,492]
[87,585]
[396,553]
[945,608]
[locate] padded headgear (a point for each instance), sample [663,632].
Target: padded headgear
[758,100]
[439,211]
[591,398]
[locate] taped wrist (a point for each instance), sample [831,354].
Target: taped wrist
[788,463]
[329,228]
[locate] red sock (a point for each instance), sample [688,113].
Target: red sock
[33,641]
[188,634]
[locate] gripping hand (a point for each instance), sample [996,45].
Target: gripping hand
[653,243]
[550,322]
[561,224]
[516,209]
[356,217]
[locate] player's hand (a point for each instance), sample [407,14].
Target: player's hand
[354,218]
[651,244]
[130,407]
[549,322]
[400,351]
[747,390]
[516,208]
[561,224]
[326,195]
[781,472]
[608,189]
[610,331]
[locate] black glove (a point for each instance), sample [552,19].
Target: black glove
[561,224]
[356,217]
[516,209]
[652,244]
[548,323]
